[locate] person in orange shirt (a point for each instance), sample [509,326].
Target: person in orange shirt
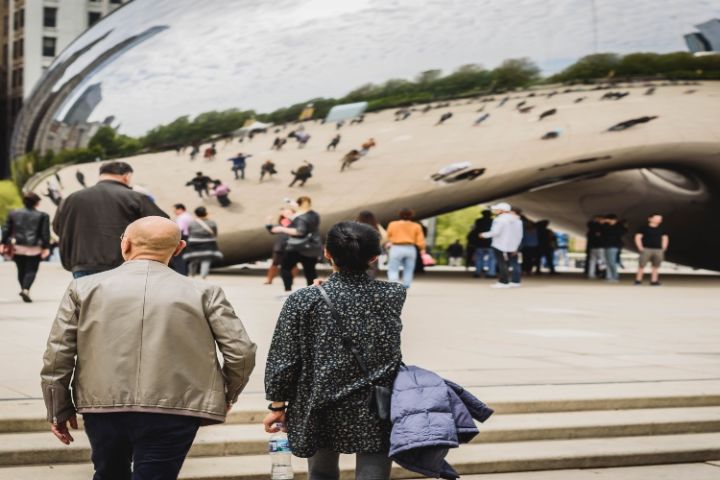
[403,236]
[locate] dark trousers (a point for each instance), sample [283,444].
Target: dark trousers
[289,261]
[505,262]
[155,444]
[27,268]
[324,465]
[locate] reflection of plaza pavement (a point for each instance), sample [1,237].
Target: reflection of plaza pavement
[553,331]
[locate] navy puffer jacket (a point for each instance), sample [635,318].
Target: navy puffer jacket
[429,416]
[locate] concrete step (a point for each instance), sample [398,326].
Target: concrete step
[468,460]
[28,415]
[224,440]
[694,471]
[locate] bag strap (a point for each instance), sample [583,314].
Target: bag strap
[345,338]
[205,226]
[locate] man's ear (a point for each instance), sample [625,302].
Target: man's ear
[125,247]
[181,246]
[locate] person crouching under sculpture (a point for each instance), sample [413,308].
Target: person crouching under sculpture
[139,342]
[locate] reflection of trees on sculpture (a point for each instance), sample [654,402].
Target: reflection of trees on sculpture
[469,80]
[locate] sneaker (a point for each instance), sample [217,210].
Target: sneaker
[655,284]
[26,297]
[638,282]
[500,285]
[514,285]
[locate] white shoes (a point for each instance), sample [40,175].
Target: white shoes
[500,285]
[514,285]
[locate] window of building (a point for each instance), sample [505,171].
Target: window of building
[18,49]
[19,19]
[116,1]
[48,46]
[93,18]
[50,17]
[17,77]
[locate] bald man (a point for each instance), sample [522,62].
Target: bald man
[139,343]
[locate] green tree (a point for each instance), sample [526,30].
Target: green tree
[515,73]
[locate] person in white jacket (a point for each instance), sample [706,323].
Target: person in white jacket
[506,233]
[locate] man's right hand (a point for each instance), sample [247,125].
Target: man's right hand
[60,430]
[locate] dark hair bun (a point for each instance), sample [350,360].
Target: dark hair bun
[352,245]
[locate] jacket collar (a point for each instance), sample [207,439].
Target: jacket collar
[116,183]
[349,277]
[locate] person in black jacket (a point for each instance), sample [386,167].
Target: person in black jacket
[304,245]
[614,230]
[90,222]
[31,231]
[481,246]
[201,183]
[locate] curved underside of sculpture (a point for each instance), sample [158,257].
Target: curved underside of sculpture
[669,165]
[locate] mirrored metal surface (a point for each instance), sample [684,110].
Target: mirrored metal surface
[161,62]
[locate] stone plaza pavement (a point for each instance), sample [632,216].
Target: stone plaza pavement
[554,331]
[584,376]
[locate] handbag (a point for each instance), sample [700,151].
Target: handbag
[379,398]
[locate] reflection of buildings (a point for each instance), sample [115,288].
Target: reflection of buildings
[75,131]
[34,33]
[84,105]
[707,39]
[63,135]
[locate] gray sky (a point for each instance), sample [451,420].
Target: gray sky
[222,54]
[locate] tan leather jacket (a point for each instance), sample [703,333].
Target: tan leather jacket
[141,338]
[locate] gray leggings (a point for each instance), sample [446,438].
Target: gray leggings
[324,465]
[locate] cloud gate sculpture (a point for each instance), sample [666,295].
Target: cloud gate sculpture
[549,150]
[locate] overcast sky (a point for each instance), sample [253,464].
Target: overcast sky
[221,54]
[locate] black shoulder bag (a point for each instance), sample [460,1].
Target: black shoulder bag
[379,398]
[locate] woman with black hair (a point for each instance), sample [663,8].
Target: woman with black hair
[317,388]
[30,230]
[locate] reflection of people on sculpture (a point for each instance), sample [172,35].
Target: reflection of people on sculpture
[53,193]
[552,134]
[547,113]
[365,147]
[444,117]
[267,168]
[630,123]
[221,191]
[278,143]
[80,176]
[357,120]
[351,157]
[200,183]
[302,174]
[481,119]
[301,136]
[334,142]
[210,152]
[238,165]
[194,151]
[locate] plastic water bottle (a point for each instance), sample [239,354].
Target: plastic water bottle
[280,455]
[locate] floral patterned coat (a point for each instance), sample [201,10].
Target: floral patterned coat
[309,367]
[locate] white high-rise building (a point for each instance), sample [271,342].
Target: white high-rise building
[34,32]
